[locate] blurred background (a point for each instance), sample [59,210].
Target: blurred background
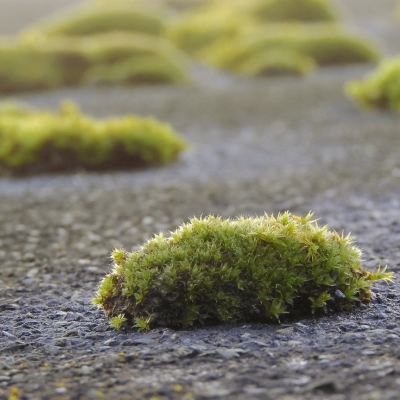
[255,88]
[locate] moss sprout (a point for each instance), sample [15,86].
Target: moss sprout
[381,89]
[118,321]
[212,270]
[68,140]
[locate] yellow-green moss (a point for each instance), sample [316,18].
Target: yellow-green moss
[37,62]
[276,61]
[322,44]
[136,70]
[239,36]
[118,46]
[105,18]
[294,10]
[23,67]
[197,29]
[221,19]
[381,89]
[43,141]
[248,269]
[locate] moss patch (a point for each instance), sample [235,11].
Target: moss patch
[195,30]
[119,42]
[261,37]
[294,10]
[92,19]
[34,62]
[249,269]
[46,142]
[299,48]
[381,89]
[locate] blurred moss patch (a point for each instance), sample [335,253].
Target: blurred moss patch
[34,61]
[257,37]
[288,47]
[68,140]
[201,27]
[381,89]
[212,270]
[294,10]
[131,16]
[119,42]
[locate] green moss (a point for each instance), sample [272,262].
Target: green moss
[140,69]
[43,141]
[321,44]
[294,10]
[118,321]
[105,18]
[195,30]
[381,89]
[276,61]
[102,41]
[115,47]
[239,36]
[249,269]
[221,19]
[23,67]
[13,108]
[37,62]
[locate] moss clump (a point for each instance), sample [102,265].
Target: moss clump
[273,61]
[47,142]
[262,37]
[249,269]
[381,89]
[196,30]
[35,62]
[134,70]
[118,42]
[104,18]
[294,10]
[301,47]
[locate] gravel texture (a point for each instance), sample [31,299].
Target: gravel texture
[258,146]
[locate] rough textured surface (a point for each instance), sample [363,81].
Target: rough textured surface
[258,145]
